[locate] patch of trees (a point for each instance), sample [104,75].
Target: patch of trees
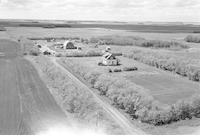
[44,25]
[135,100]
[181,66]
[54,38]
[136,41]
[196,31]
[192,38]
[89,53]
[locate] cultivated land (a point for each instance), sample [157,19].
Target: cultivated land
[26,104]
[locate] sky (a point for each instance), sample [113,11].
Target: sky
[105,10]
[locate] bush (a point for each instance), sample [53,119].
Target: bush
[181,66]
[34,52]
[196,31]
[59,55]
[136,41]
[160,44]
[109,70]
[192,38]
[117,70]
[90,53]
[130,68]
[115,40]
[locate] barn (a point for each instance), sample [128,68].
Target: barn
[69,45]
[109,59]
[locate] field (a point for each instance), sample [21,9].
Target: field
[148,28]
[152,94]
[24,98]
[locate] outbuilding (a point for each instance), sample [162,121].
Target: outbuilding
[109,59]
[69,45]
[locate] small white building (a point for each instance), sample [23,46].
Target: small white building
[109,59]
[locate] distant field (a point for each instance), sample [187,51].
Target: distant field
[143,28]
[88,33]
[164,87]
[131,27]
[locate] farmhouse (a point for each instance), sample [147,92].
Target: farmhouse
[69,45]
[109,59]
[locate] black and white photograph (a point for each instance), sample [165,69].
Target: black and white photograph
[99,67]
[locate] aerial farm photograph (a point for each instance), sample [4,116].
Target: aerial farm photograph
[99,67]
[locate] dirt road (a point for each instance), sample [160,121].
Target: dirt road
[26,105]
[114,113]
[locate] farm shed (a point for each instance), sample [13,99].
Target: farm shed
[109,59]
[69,45]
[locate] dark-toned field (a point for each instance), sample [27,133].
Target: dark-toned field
[26,105]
